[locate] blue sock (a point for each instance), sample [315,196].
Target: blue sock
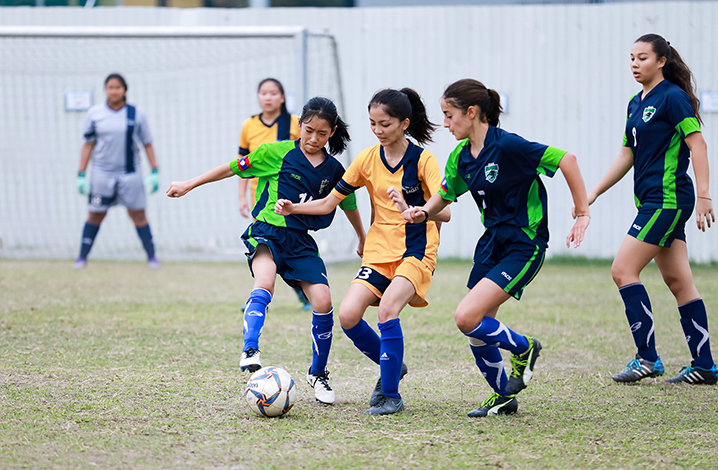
[365,339]
[254,315]
[491,364]
[146,237]
[89,232]
[392,357]
[322,324]
[640,318]
[695,325]
[493,332]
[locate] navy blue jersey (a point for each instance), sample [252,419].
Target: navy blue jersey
[656,127]
[504,181]
[284,172]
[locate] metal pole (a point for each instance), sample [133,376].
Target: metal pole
[300,40]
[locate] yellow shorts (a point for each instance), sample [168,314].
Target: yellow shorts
[377,277]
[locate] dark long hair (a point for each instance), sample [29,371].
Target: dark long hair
[122,81]
[284,110]
[406,104]
[469,92]
[324,108]
[675,71]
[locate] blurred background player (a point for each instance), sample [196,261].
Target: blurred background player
[501,171]
[662,131]
[111,131]
[399,259]
[299,170]
[273,124]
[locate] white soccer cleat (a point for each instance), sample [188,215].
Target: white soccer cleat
[322,391]
[250,360]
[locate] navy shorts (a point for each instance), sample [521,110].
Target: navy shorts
[508,260]
[657,226]
[295,252]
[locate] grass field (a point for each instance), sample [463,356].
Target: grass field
[117,366]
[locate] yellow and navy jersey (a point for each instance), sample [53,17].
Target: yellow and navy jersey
[255,133]
[656,128]
[284,172]
[418,176]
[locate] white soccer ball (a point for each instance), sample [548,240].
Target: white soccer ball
[270,392]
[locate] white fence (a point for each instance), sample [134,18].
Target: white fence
[564,69]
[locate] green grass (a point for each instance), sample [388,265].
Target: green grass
[117,366]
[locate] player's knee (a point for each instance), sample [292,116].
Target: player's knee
[387,313]
[321,302]
[466,320]
[349,317]
[618,273]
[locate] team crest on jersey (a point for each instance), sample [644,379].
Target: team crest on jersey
[323,185]
[648,113]
[492,172]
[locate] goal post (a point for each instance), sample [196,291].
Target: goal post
[196,84]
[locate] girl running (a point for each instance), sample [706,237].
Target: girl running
[501,171]
[399,258]
[662,131]
[299,170]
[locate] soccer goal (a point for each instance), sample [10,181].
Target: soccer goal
[197,86]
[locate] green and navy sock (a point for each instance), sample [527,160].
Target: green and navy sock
[391,357]
[640,318]
[255,314]
[322,324]
[493,332]
[694,321]
[365,339]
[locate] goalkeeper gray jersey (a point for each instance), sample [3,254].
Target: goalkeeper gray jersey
[116,135]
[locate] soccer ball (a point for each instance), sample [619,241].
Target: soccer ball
[270,392]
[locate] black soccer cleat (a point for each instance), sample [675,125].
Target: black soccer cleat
[376,396]
[639,369]
[695,376]
[523,367]
[496,404]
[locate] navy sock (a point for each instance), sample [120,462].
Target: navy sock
[491,364]
[640,318]
[322,324]
[254,315]
[694,321]
[89,232]
[493,332]
[392,357]
[146,236]
[365,339]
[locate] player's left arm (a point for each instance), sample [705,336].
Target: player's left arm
[704,205]
[569,167]
[317,207]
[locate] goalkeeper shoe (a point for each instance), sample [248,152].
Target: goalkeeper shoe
[80,263]
[376,395]
[250,360]
[696,376]
[523,367]
[388,406]
[639,369]
[496,404]
[323,393]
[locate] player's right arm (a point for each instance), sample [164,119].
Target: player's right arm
[317,207]
[180,188]
[615,173]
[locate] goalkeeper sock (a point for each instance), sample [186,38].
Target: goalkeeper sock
[89,232]
[146,237]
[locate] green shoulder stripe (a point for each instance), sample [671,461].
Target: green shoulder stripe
[688,126]
[550,160]
[454,185]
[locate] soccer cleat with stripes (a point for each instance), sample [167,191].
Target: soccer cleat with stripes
[376,396]
[250,360]
[695,376]
[323,393]
[496,404]
[639,369]
[388,406]
[523,367]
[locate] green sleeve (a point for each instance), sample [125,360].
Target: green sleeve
[550,160]
[266,160]
[349,203]
[688,126]
[453,185]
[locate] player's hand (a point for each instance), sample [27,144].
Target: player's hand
[178,189]
[284,207]
[578,230]
[83,186]
[244,207]
[704,213]
[413,215]
[360,247]
[397,198]
[152,182]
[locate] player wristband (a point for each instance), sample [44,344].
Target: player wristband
[703,197]
[426,214]
[583,215]
[155,171]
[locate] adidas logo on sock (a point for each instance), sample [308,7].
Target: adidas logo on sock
[383,357]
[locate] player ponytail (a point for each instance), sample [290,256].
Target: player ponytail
[406,104]
[324,108]
[122,81]
[675,71]
[469,92]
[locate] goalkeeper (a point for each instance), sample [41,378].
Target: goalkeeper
[112,131]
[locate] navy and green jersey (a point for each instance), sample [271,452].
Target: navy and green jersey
[656,127]
[504,181]
[284,172]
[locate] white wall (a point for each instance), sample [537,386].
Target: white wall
[564,68]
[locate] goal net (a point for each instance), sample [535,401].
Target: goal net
[197,86]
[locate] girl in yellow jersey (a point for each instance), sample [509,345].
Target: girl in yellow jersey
[273,124]
[399,258]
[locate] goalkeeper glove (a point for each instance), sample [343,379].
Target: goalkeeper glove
[82,184]
[152,182]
